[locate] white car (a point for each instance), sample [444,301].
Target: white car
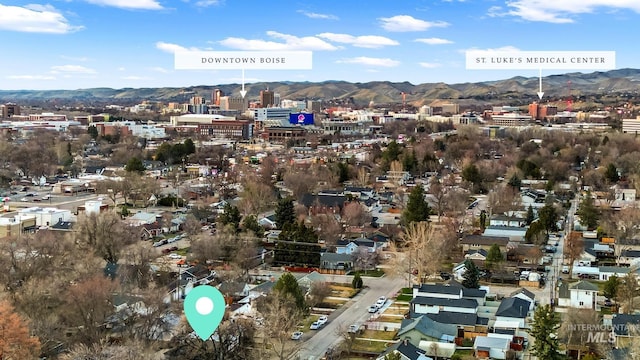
[323,319]
[296,335]
[353,328]
[174,256]
[315,326]
[372,309]
[381,301]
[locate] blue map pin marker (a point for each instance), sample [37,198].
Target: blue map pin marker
[204,307]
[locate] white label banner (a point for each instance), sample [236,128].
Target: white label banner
[247,60]
[552,60]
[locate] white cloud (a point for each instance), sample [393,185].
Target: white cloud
[31,77]
[76,69]
[429,65]
[129,4]
[121,68]
[366,41]
[313,15]
[134,77]
[434,41]
[559,11]
[159,69]
[172,48]
[207,3]
[369,61]
[73,58]
[507,48]
[291,42]
[405,23]
[35,19]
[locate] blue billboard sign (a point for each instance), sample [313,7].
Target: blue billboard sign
[301,118]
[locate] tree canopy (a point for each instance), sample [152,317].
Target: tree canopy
[544,330]
[417,207]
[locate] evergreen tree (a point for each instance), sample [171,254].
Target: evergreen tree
[92,131]
[548,217]
[230,216]
[471,174]
[285,213]
[483,220]
[189,147]
[343,172]
[357,282]
[588,213]
[250,224]
[515,182]
[494,256]
[297,246]
[135,165]
[287,285]
[471,276]
[611,173]
[530,215]
[544,330]
[610,290]
[417,207]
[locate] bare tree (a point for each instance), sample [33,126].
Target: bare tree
[363,259]
[423,243]
[628,292]
[329,229]
[106,234]
[256,196]
[318,292]
[355,214]
[577,325]
[281,317]
[573,248]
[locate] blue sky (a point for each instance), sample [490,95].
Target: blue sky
[72,44]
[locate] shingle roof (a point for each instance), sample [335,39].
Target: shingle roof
[427,326]
[620,322]
[525,292]
[484,240]
[438,289]
[455,318]
[461,303]
[584,285]
[513,307]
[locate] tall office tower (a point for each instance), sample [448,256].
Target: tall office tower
[196,100]
[267,98]
[215,97]
[9,109]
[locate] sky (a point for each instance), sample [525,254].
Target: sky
[75,44]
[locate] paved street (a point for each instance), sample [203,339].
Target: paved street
[354,312]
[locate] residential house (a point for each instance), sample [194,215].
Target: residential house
[525,254]
[629,257]
[358,192]
[372,244]
[407,351]
[142,217]
[582,295]
[605,272]
[514,310]
[475,242]
[506,220]
[533,198]
[437,291]
[311,278]
[46,216]
[187,280]
[513,233]
[335,261]
[476,255]
[526,295]
[432,305]
[491,347]
[324,203]
[621,324]
[268,222]
[149,231]
[564,295]
[424,328]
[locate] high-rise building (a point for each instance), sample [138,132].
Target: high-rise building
[215,96]
[196,100]
[9,109]
[229,103]
[267,98]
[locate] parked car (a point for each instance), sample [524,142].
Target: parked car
[381,301]
[323,319]
[372,309]
[315,325]
[607,302]
[175,256]
[445,276]
[353,328]
[296,335]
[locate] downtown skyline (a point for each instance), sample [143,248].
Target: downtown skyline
[130,43]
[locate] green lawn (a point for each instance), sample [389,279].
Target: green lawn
[404,297]
[183,252]
[369,273]
[366,345]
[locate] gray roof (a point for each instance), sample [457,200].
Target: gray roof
[630,253]
[584,285]
[563,291]
[427,326]
[513,307]
[407,349]
[438,289]
[473,293]
[484,240]
[620,322]
[455,318]
[333,257]
[525,292]
[461,303]
[614,269]
[485,342]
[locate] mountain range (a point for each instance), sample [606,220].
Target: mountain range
[594,86]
